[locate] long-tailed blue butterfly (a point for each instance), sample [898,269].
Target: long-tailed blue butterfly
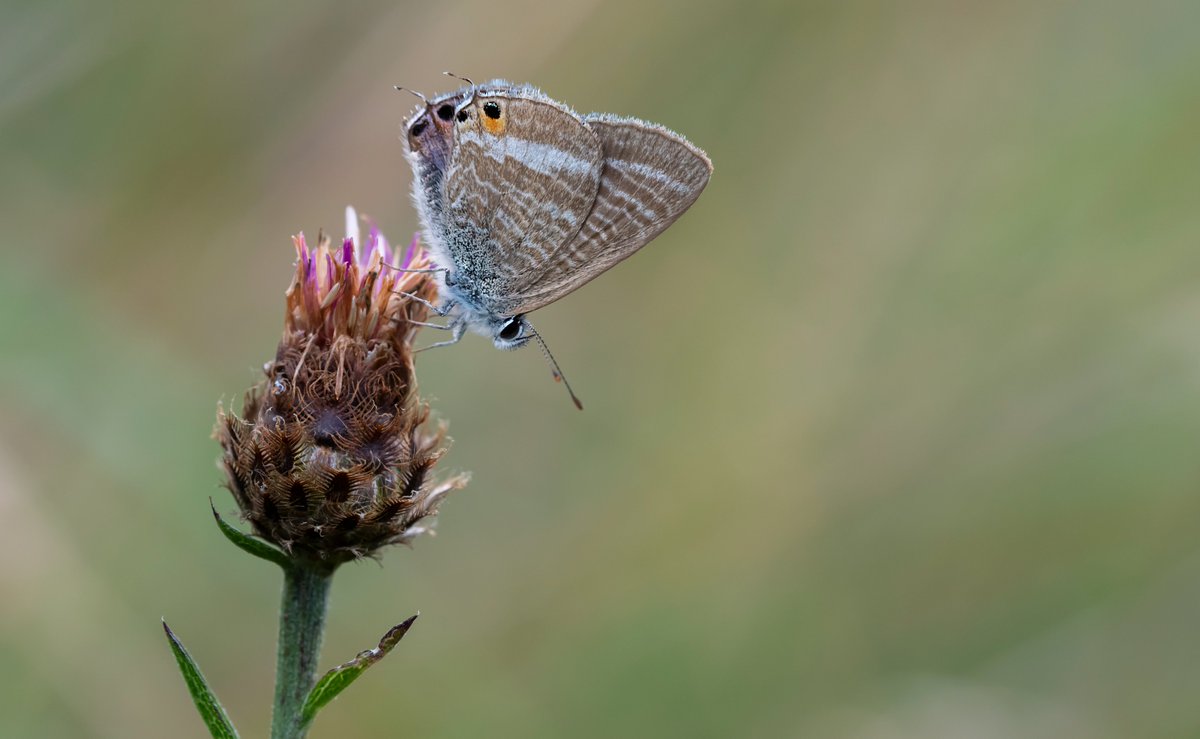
[522,200]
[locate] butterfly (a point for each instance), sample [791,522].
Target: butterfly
[522,200]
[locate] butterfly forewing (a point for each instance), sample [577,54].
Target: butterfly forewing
[649,178]
[518,187]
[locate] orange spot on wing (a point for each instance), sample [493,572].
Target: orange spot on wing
[494,126]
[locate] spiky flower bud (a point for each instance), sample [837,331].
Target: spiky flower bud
[331,458]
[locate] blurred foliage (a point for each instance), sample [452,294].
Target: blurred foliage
[891,436]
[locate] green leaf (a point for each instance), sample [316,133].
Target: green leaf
[214,716]
[247,543]
[337,679]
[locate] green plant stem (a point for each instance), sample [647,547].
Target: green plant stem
[301,628]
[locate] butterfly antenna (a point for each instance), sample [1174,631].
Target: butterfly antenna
[413,92]
[457,77]
[558,375]
[471,97]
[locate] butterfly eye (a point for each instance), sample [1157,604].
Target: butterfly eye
[446,112]
[462,116]
[511,330]
[418,127]
[491,110]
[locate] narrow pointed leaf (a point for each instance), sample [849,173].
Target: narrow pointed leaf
[337,679]
[214,716]
[247,543]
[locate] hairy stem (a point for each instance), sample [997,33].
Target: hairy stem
[301,628]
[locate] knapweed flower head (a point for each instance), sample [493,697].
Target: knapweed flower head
[332,455]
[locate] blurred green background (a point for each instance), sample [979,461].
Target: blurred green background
[893,435]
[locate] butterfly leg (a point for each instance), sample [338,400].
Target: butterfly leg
[394,268]
[426,324]
[458,327]
[445,309]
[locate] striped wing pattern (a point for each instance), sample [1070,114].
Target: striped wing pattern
[531,206]
[650,177]
[512,197]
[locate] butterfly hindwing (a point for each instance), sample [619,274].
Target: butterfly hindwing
[650,176]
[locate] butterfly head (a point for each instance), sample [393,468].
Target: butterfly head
[429,133]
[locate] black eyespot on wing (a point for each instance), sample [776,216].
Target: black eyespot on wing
[491,109]
[446,112]
[418,127]
[511,330]
[462,116]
